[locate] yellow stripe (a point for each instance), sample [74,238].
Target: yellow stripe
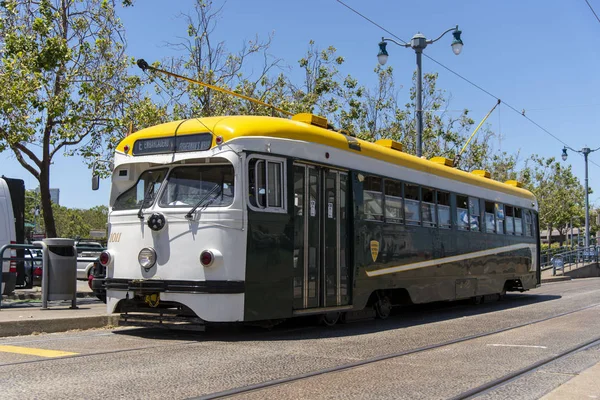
[233,127]
[35,352]
[446,260]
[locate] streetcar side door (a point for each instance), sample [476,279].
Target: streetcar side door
[321,270]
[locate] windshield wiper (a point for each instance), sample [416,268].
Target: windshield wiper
[213,190]
[140,213]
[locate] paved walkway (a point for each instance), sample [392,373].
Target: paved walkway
[22,314]
[586,385]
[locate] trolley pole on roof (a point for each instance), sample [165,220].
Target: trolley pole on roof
[145,66]
[418,43]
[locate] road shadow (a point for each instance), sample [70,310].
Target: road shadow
[306,328]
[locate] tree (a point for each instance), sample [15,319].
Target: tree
[559,193]
[64,83]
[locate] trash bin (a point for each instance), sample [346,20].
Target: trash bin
[62,269]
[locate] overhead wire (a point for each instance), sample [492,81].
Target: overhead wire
[522,112]
[591,8]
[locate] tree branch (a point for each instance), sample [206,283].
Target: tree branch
[24,163]
[28,152]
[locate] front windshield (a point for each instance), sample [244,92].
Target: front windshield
[148,183]
[187,185]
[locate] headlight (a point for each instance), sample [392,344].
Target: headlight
[147,257]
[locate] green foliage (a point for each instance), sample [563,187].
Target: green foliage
[65,84]
[70,222]
[559,193]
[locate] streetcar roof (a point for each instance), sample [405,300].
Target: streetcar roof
[232,127]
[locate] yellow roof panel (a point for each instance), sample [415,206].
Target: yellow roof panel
[231,127]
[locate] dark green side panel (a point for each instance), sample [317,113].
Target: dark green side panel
[269,262]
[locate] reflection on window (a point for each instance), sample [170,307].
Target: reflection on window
[443,201]
[462,212]
[428,207]
[266,181]
[372,198]
[499,217]
[518,222]
[528,223]
[274,184]
[510,223]
[474,213]
[147,187]
[490,223]
[393,201]
[186,186]
[411,204]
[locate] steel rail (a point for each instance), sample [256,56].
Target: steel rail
[343,367]
[496,383]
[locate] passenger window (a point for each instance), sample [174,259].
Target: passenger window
[411,204]
[393,201]
[500,218]
[372,198]
[490,223]
[266,179]
[443,207]
[428,207]
[510,222]
[474,213]
[528,223]
[462,212]
[518,222]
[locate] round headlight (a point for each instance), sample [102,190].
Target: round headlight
[147,257]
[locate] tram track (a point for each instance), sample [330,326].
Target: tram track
[497,383]
[483,388]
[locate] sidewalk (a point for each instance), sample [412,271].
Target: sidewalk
[28,318]
[22,314]
[586,385]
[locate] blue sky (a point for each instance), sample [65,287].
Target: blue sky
[540,56]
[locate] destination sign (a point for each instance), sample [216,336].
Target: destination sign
[177,144]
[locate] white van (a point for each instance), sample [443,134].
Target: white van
[7,233]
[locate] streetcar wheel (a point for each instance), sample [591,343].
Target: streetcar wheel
[383,307]
[329,319]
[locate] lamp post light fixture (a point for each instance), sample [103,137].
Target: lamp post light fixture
[418,43]
[585,151]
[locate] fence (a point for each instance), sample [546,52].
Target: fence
[37,246]
[569,258]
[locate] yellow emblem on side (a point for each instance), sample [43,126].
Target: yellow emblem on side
[374,249]
[152,299]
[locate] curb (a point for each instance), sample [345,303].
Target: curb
[29,327]
[38,296]
[556,279]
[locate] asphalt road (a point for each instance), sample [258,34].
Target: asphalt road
[149,364]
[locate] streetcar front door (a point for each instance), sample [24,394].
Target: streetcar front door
[321,270]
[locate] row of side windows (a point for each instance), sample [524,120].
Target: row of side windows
[397,202]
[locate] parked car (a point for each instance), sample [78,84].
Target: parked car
[86,258]
[96,280]
[33,269]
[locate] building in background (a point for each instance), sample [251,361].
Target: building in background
[55,196]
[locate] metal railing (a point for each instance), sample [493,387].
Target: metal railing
[38,246]
[570,258]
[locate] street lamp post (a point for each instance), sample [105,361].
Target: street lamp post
[418,43]
[585,151]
